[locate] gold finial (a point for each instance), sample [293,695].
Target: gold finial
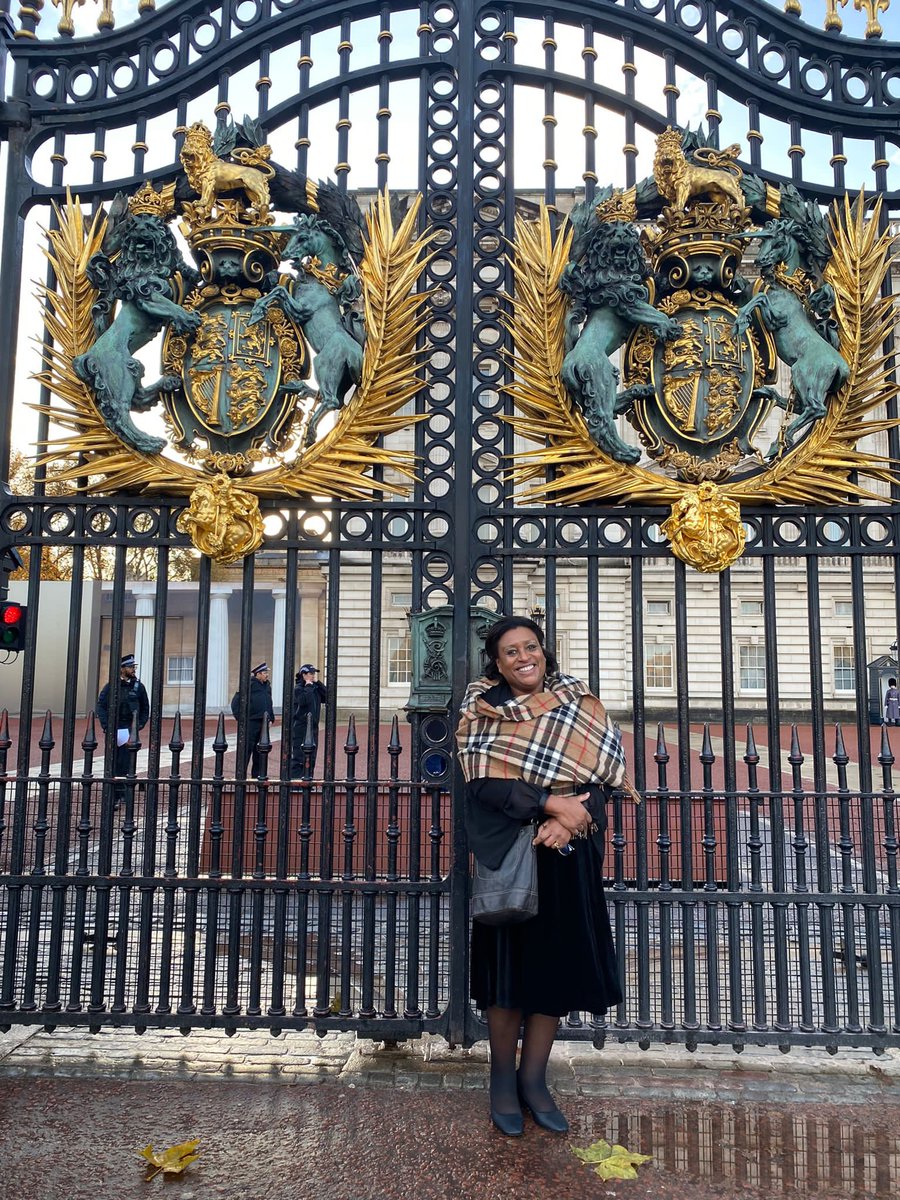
[157,204]
[832,21]
[621,206]
[872,8]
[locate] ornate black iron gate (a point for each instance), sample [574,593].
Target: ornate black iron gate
[754,902]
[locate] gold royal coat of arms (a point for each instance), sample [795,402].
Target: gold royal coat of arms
[288,350]
[654,276]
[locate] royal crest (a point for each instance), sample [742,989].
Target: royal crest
[254,356]
[701,280]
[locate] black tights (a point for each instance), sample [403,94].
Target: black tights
[537,1042]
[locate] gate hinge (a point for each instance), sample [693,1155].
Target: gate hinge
[14,114]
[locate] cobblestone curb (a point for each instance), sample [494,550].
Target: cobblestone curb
[618,1071]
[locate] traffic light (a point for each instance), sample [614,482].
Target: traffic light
[12,625]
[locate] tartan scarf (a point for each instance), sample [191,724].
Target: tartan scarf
[560,738]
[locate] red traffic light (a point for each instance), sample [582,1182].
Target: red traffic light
[12,625]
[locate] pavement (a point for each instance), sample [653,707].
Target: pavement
[299,1117]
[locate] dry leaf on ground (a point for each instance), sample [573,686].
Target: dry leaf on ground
[171,1161]
[611,1162]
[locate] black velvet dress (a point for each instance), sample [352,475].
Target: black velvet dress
[563,959]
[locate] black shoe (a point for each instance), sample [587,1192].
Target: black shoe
[550,1119]
[511,1124]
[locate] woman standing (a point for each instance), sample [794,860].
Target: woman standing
[536,745]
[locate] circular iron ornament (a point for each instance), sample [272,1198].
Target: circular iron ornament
[436,764]
[752,530]
[103,520]
[768,54]
[438,526]
[890,84]
[876,531]
[18,519]
[488,573]
[441,174]
[685,11]
[442,87]
[437,565]
[807,74]
[528,531]
[435,730]
[58,520]
[651,7]
[613,534]
[82,85]
[255,13]
[444,15]
[163,49]
[863,83]
[489,532]
[144,522]
[488,213]
[788,532]
[122,65]
[356,526]
[572,533]
[396,527]
[489,22]
[824,532]
[489,493]
[205,23]
[739,35]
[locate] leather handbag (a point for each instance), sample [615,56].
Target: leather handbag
[508,894]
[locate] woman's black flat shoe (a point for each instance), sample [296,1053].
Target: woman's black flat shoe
[510,1124]
[550,1119]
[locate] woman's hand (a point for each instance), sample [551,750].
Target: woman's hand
[570,812]
[552,834]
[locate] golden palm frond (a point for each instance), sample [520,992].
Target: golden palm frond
[336,466]
[823,467]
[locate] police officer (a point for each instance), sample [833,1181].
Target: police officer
[309,696]
[259,705]
[133,701]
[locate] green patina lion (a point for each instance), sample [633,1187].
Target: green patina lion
[605,279]
[133,275]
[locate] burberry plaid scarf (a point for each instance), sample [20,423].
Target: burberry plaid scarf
[560,738]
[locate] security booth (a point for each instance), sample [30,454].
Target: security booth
[881,670]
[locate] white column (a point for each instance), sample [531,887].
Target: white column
[217,695]
[144,627]
[277,659]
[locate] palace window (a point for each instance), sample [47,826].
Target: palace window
[659,608]
[751,608]
[399,659]
[752,668]
[659,671]
[179,670]
[844,669]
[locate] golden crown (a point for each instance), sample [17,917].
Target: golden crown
[157,204]
[621,206]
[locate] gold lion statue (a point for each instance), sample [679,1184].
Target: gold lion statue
[210,175]
[680,181]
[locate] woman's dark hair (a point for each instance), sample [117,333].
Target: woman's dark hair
[503,626]
[892,683]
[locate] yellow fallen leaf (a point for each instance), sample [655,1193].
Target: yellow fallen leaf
[612,1162]
[171,1161]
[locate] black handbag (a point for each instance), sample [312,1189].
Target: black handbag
[507,894]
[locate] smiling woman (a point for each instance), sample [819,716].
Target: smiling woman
[537,748]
